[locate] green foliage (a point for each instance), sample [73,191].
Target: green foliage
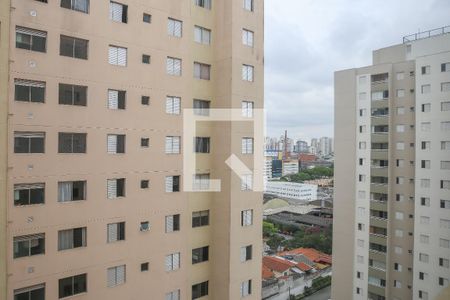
[320,239]
[269,229]
[310,174]
[317,284]
[275,241]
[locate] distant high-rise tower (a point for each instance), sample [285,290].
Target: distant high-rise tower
[392,173]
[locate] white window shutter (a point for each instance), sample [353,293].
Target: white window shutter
[169,184]
[121,274]
[243,254]
[169,145]
[112,143]
[249,145]
[168,263]
[244,37]
[244,108]
[112,55]
[176,144]
[115,11]
[244,72]
[197,70]
[250,38]
[169,105]
[176,261]
[250,109]
[197,34]
[244,146]
[178,28]
[177,67]
[169,66]
[122,57]
[170,27]
[169,223]
[112,232]
[112,188]
[113,99]
[176,106]
[250,73]
[111,274]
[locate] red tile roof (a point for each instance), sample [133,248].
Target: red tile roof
[266,272]
[277,264]
[304,267]
[310,253]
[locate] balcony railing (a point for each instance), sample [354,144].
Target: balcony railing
[426,34]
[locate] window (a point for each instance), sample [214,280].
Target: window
[445,204]
[445,87]
[445,67]
[426,107]
[443,281]
[145,59]
[31,39]
[172,223]
[172,184]
[247,109]
[444,243]
[361,227]
[247,72]
[144,267]
[424,239]
[78,5]
[115,232]
[362,145]
[423,295]
[425,183]
[172,144]
[71,191]
[246,253]
[444,223]
[115,143]
[115,188]
[144,184]
[145,226]
[425,126]
[73,47]
[424,257]
[203,3]
[72,238]
[72,285]
[360,259]
[29,142]
[71,142]
[29,194]
[380,95]
[173,66]
[35,292]
[426,145]
[246,182]
[400,110]
[397,267]
[200,218]
[116,99]
[424,220]
[425,164]
[247,217]
[172,262]
[199,290]
[202,71]
[445,165]
[117,56]
[247,145]
[400,75]
[445,184]
[445,145]
[445,125]
[426,89]
[70,94]
[201,182]
[174,28]
[444,262]
[201,107]
[29,90]
[174,295]
[400,146]
[424,201]
[246,288]
[248,5]
[400,93]
[399,215]
[362,96]
[29,245]
[202,144]
[202,35]
[445,106]
[116,276]
[145,100]
[247,37]
[426,70]
[147,18]
[400,128]
[118,12]
[200,255]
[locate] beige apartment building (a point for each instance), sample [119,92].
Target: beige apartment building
[92,95]
[392,179]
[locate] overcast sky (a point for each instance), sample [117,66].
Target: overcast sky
[307,40]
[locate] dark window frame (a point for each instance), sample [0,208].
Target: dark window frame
[26,241]
[200,290]
[202,144]
[78,47]
[72,285]
[77,97]
[29,191]
[77,142]
[34,144]
[70,4]
[200,255]
[35,42]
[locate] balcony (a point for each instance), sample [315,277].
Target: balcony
[378,205]
[378,222]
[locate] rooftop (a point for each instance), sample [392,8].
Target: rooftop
[426,34]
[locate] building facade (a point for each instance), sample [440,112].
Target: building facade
[92,95]
[290,167]
[391,218]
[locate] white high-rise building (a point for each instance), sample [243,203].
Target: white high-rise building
[391,227]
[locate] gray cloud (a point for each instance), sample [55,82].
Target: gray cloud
[307,40]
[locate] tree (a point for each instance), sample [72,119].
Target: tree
[268,229]
[275,242]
